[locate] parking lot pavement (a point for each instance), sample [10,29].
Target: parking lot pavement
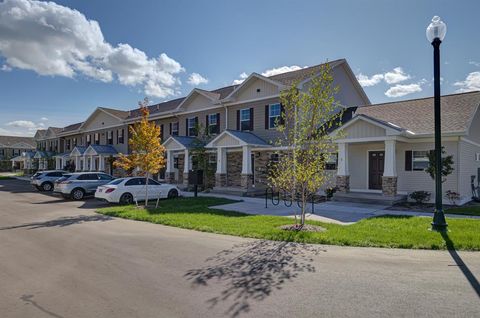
[60,259]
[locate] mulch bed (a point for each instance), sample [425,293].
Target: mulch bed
[304,228]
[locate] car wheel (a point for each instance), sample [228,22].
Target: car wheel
[172,194]
[47,186]
[126,198]
[77,194]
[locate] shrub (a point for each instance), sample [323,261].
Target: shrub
[420,196]
[330,191]
[452,196]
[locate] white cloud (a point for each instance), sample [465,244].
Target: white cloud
[477,64]
[242,76]
[366,81]
[11,132]
[44,119]
[396,76]
[471,83]
[55,40]
[6,68]
[280,70]
[402,90]
[21,128]
[196,79]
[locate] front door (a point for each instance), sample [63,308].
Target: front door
[375,169]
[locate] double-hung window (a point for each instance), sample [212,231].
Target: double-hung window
[213,124]
[89,141]
[121,137]
[274,113]
[245,119]
[192,126]
[419,160]
[96,137]
[110,137]
[175,129]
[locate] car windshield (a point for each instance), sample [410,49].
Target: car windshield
[116,181]
[65,177]
[37,174]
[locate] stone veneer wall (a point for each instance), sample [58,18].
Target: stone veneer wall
[180,168]
[389,186]
[261,163]
[234,169]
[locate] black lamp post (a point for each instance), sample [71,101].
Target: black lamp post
[435,34]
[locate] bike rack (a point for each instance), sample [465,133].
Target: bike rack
[287,202]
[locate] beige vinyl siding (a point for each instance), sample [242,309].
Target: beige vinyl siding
[197,102]
[101,120]
[362,129]
[269,135]
[201,119]
[467,167]
[257,88]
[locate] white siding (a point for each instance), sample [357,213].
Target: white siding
[362,129]
[101,120]
[474,133]
[467,167]
[197,102]
[249,91]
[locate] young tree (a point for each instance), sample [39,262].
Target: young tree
[447,165]
[199,152]
[307,118]
[147,153]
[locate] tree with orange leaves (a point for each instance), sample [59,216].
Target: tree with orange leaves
[147,155]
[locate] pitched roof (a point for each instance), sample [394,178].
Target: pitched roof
[104,149]
[116,112]
[187,142]
[72,127]
[158,108]
[289,78]
[416,115]
[8,141]
[248,137]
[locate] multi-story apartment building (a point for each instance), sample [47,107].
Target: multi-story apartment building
[241,118]
[11,148]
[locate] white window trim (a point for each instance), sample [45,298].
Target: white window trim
[209,121]
[413,156]
[188,125]
[175,131]
[242,120]
[270,116]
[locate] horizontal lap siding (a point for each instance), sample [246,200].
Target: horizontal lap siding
[468,167]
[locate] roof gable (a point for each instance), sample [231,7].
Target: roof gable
[198,99]
[101,118]
[235,138]
[255,86]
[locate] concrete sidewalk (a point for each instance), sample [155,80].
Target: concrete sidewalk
[332,212]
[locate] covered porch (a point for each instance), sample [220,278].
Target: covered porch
[235,170]
[93,158]
[179,159]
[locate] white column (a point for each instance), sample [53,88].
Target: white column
[92,163]
[246,160]
[169,161]
[77,164]
[390,164]
[343,160]
[85,164]
[186,163]
[101,163]
[57,163]
[221,160]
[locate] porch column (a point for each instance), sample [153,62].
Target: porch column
[186,168]
[57,163]
[343,174]
[85,163]
[93,166]
[221,173]
[247,174]
[389,178]
[77,164]
[169,173]
[101,163]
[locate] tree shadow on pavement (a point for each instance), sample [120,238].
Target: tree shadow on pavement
[28,299]
[252,271]
[461,264]
[60,222]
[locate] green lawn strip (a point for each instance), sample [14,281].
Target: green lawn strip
[384,231]
[5,178]
[468,210]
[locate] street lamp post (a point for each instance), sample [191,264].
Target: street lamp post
[435,34]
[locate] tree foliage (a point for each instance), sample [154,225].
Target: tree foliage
[147,154]
[308,117]
[201,156]
[447,165]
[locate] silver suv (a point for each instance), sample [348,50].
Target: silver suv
[44,180]
[77,185]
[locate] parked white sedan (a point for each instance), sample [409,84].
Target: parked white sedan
[127,190]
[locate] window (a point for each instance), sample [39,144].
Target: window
[67,144]
[133,182]
[74,142]
[274,113]
[477,156]
[175,163]
[212,122]
[191,126]
[89,141]
[331,163]
[102,176]
[174,129]
[212,159]
[152,182]
[96,138]
[54,174]
[110,137]
[419,160]
[245,119]
[120,135]
[116,181]
[88,176]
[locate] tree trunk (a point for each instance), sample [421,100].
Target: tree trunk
[302,218]
[146,189]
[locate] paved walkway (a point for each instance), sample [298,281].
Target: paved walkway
[332,212]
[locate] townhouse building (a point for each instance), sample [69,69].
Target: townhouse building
[240,119]
[12,147]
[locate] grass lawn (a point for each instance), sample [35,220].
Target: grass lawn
[467,210]
[386,231]
[5,178]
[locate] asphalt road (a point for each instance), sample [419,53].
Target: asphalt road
[60,259]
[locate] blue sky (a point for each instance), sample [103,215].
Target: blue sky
[58,65]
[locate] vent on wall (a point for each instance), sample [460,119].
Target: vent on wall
[258,90]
